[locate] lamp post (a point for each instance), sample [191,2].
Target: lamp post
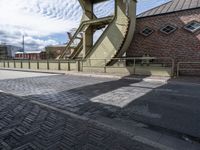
[23,47]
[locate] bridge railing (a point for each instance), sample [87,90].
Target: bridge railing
[40,64]
[190,67]
[134,65]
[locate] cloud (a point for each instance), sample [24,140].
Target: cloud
[37,19]
[40,19]
[34,43]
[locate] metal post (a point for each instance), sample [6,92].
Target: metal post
[38,65]
[4,64]
[68,66]
[104,69]
[29,64]
[82,65]
[14,64]
[78,65]
[178,67]
[173,67]
[21,64]
[105,66]
[134,69]
[48,65]
[59,67]
[90,63]
[8,64]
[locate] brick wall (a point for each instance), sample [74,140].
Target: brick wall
[181,45]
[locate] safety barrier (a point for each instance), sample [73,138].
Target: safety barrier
[134,65]
[188,67]
[40,64]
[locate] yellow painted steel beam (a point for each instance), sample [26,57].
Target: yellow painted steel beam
[117,37]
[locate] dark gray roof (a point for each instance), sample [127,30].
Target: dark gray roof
[172,6]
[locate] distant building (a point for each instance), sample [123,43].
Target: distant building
[30,55]
[52,52]
[8,51]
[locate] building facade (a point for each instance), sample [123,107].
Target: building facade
[31,55]
[170,30]
[8,51]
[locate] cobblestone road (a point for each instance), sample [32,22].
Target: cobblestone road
[25,125]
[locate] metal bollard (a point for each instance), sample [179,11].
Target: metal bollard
[29,64]
[68,66]
[48,65]
[38,65]
[59,67]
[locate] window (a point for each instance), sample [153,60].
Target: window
[147,31]
[192,26]
[168,29]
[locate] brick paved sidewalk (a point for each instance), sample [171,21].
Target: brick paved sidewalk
[33,111]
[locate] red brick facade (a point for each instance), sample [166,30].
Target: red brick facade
[31,56]
[181,45]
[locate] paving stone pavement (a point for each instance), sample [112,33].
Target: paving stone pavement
[25,125]
[82,95]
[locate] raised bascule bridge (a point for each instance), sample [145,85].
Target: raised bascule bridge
[113,42]
[101,44]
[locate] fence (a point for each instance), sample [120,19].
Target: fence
[134,65]
[192,67]
[137,65]
[39,64]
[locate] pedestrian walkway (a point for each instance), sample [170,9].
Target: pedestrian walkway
[55,111]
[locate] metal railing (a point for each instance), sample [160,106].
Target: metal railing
[192,67]
[132,62]
[40,64]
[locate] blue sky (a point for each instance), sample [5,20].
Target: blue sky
[45,22]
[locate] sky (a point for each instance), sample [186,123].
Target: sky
[46,22]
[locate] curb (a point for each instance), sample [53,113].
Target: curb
[35,71]
[144,137]
[109,76]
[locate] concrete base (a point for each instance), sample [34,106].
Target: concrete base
[142,70]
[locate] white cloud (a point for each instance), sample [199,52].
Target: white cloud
[39,19]
[35,43]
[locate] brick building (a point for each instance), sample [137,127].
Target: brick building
[169,30]
[30,55]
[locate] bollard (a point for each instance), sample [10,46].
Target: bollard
[69,67]
[21,64]
[78,65]
[134,67]
[105,69]
[48,65]
[38,65]
[29,64]
[14,64]
[59,67]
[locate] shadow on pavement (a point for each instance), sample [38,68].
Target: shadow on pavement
[171,108]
